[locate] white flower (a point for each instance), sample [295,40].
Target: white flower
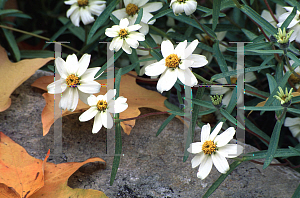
[76,81]
[83,9]
[294,79]
[124,36]
[180,6]
[227,91]
[214,149]
[294,25]
[131,11]
[101,107]
[267,15]
[176,63]
[294,126]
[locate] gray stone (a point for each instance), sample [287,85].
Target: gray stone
[151,166]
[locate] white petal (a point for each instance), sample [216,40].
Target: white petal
[227,98]
[205,132]
[178,8]
[291,121]
[190,7]
[132,42]
[117,106]
[266,15]
[195,147]
[72,64]
[120,14]
[71,10]
[86,16]
[199,60]
[146,17]
[61,67]
[83,96]
[88,114]
[279,10]
[92,100]
[152,7]
[112,32]
[167,48]
[89,74]
[140,3]
[190,49]
[185,64]
[283,17]
[167,80]
[75,17]
[97,9]
[187,77]
[220,162]
[126,47]
[83,64]
[288,9]
[69,99]
[249,77]
[293,23]
[205,167]
[110,94]
[156,38]
[180,49]
[295,130]
[97,123]
[218,89]
[137,36]
[216,131]
[107,120]
[225,137]
[196,161]
[230,150]
[116,44]
[134,27]
[57,86]
[70,2]
[89,87]
[144,29]
[124,23]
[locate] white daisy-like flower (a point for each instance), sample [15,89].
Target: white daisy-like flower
[186,6]
[76,81]
[124,36]
[214,149]
[267,15]
[294,25]
[101,107]
[227,91]
[83,9]
[294,126]
[131,11]
[175,64]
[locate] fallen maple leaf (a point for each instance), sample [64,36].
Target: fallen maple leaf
[24,176]
[136,95]
[14,74]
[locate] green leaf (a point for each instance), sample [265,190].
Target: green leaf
[27,36]
[231,118]
[18,14]
[12,44]
[216,11]
[161,14]
[38,54]
[164,124]
[217,183]
[295,150]
[294,58]
[289,19]
[255,92]
[297,192]
[264,108]
[114,19]
[294,3]
[77,31]
[273,143]
[101,19]
[272,83]
[296,99]
[258,19]
[203,103]
[221,60]
[207,112]
[256,52]
[172,106]
[292,110]
[9,11]
[262,154]
[251,36]
[257,131]
[233,101]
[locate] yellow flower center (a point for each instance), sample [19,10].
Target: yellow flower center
[209,147]
[82,3]
[72,80]
[209,118]
[123,33]
[172,61]
[233,80]
[131,9]
[181,1]
[102,105]
[294,78]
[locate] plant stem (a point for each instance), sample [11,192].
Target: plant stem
[201,26]
[35,35]
[270,10]
[288,63]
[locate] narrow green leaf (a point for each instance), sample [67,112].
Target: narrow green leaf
[257,131]
[161,14]
[114,19]
[272,83]
[296,99]
[101,19]
[255,92]
[292,110]
[12,44]
[258,19]
[289,19]
[250,35]
[118,151]
[231,118]
[293,57]
[217,183]
[38,54]
[293,3]
[233,101]
[295,150]
[216,11]
[221,60]
[273,143]
[172,106]
[18,14]
[264,108]
[297,192]
[165,123]
[9,11]
[206,112]
[27,36]
[256,52]
[139,17]
[203,103]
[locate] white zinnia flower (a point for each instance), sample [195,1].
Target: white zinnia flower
[294,126]
[180,6]
[101,107]
[124,36]
[76,81]
[83,9]
[214,149]
[294,25]
[176,63]
[227,91]
[131,11]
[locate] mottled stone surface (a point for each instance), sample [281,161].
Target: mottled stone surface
[151,166]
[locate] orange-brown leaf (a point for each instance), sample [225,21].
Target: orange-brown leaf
[136,95]
[14,74]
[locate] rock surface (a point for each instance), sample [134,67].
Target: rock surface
[151,166]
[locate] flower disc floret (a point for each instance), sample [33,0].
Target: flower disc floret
[209,147]
[102,105]
[123,33]
[172,61]
[132,9]
[72,80]
[82,3]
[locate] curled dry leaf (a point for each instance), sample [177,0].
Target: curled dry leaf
[136,95]
[14,74]
[23,176]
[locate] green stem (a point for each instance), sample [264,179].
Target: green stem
[283,113]
[35,35]
[238,5]
[288,64]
